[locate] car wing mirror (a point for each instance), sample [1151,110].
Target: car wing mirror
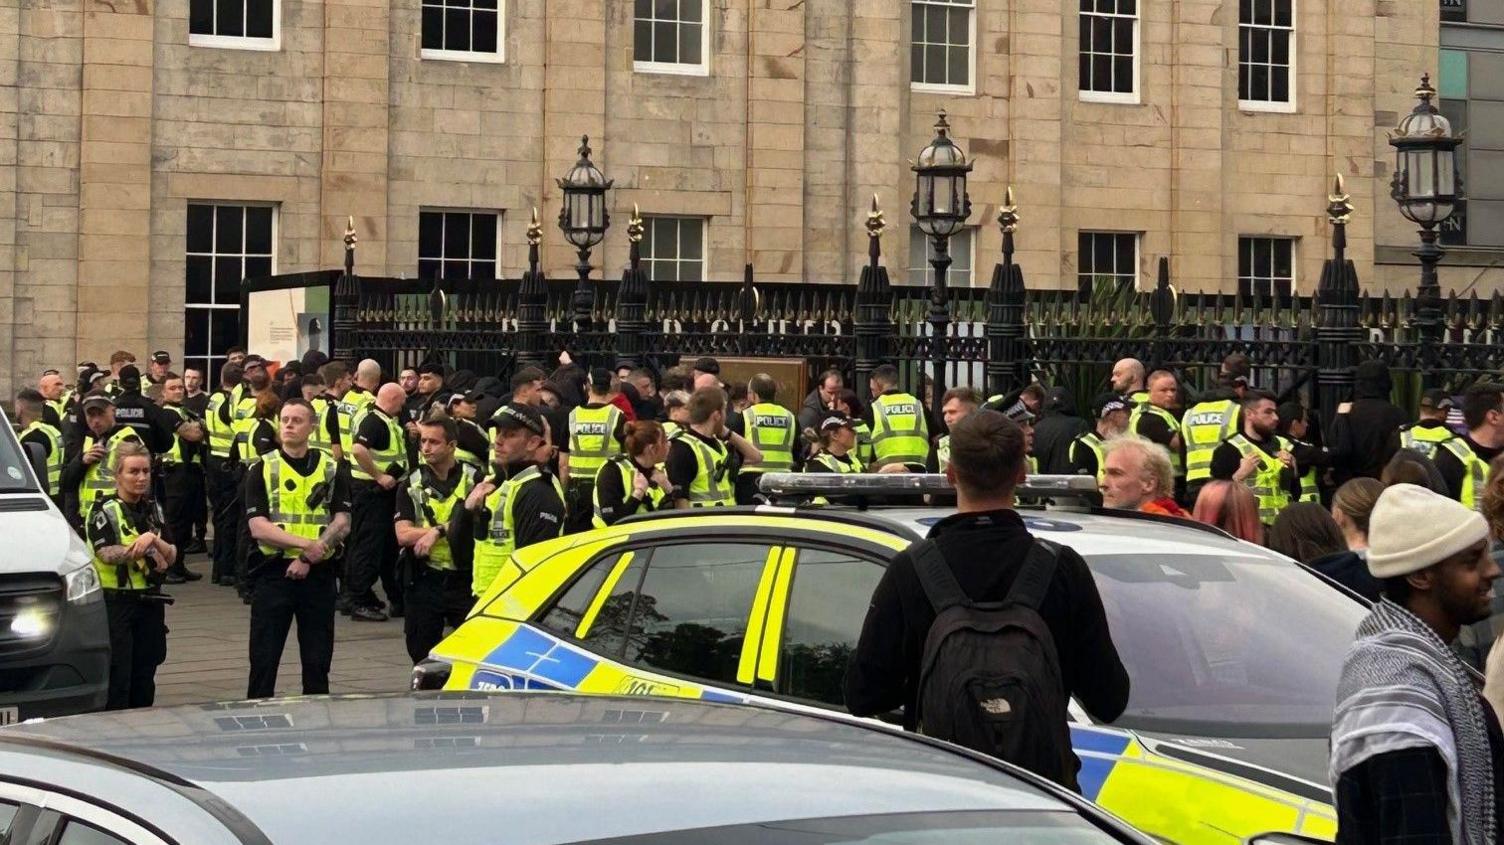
[1283,839]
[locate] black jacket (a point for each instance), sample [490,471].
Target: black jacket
[985,550]
[1363,437]
[1349,569]
[1054,432]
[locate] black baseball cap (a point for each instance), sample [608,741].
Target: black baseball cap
[1436,399]
[837,419]
[708,365]
[252,361]
[519,416]
[161,357]
[97,400]
[129,373]
[1106,403]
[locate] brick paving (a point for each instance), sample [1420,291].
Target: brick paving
[207,646]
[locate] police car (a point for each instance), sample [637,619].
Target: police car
[1234,651]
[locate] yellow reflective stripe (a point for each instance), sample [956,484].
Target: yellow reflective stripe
[757,619]
[772,634]
[607,588]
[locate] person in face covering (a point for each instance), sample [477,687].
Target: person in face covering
[1057,426]
[1363,431]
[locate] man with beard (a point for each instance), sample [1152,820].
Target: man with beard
[1256,457]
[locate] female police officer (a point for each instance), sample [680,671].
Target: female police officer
[124,528]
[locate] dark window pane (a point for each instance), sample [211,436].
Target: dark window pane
[1101,34]
[643,9]
[1083,32]
[430,234]
[456,269]
[1122,75]
[1245,11]
[196,330]
[483,269]
[1245,43]
[565,616]
[1126,255]
[608,634]
[483,236]
[433,28]
[666,239]
[201,17]
[1083,252]
[456,235]
[1283,253]
[484,4]
[959,71]
[1279,85]
[1258,82]
[484,24]
[1102,250]
[258,18]
[689,44]
[1122,36]
[934,26]
[692,271]
[1279,50]
[691,612]
[1084,71]
[429,268]
[224,325]
[230,17]
[666,10]
[1262,12]
[456,29]
[642,41]
[258,230]
[1262,257]
[916,62]
[826,610]
[1243,92]
[668,271]
[200,228]
[227,275]
[228,220]
[1127,7]
[1245,256]
[200,280]
[691,10]
[691,239]
[1260,54]
[1282,12]
[666,42]
[934,64]
[257,268]
[1087,5]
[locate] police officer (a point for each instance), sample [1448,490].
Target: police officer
[88,471]
[848,403]
[197,403]
[119,359]
[1086,454]
[634,481]
[257,381]
[1294,428]
[155,426]
[1128,382]
[958,404]
[56,397]
[434,527]
[221,472]
[124,529]
[30,412]
[181,469]
[311,388]
[297,501]
[676,408]
[838,443]
[337,383]
[596,431]
[1156,422]
[379,452]
[359,396]
[1430,431]
[1256,457]
[260,438]
[158,367]
[774,431]
[900,423]
[521,503]
[699,459]
[1464,462]
[472,444]
[1210,422]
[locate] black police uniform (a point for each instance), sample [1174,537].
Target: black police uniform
[373,538]
[137,618]
[199,406]
[263,439]
[220,477]
[182,483]
[279,600]
[437,598]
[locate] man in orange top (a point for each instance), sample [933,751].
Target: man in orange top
[1138,476]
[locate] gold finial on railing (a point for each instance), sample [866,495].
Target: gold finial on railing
[1340,209]
[1007,216]
[350,238]
[875,223]
[535,230]
[634,226]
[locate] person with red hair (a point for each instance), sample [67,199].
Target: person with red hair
[1230,506]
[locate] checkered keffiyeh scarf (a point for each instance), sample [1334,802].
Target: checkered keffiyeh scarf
[1402,687]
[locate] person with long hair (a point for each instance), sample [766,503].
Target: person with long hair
[1351,506]
[634,481]
[1230,506]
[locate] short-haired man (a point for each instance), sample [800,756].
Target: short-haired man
[957,404]
[36,431]
[433,525]
[88,473]
[1128,381]
[1211,421]
[900,423]
[408,380]
[1156,421]
[596,431]
[1430,430]
[380,460]
[1294,429]
[159,366]
[1110,411]
[1137,476]
[1256,457]
[775,433]
[699,458]
[57,401]
[985,545]
[195,398]
[521,502]
[355,400]
[1464,461]
[1414,748]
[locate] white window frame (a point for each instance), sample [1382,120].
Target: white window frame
[678,68]
[1294,260]
[1136,96]
[971,55]
[678,261]
[928,272]
[243,42]
[214,254]
[1138,253]
[501,216]
[1289,106]
[497,58]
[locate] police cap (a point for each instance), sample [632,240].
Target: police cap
[518,416]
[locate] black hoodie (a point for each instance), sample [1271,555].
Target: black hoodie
[1362,436]
[1055,430]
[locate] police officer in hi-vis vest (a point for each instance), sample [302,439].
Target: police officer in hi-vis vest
[521,503]
[125,529]
[297,501]
[900,423]
[182,474]
[838,442]
[774,430]
[1156,422]
[634,481]
[699,457]
[434,529]
[1430,431]
[30,411]
[89,468]
[957,404]
[379,451]
[596,431]
[1257,457]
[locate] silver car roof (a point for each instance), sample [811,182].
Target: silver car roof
[543,767]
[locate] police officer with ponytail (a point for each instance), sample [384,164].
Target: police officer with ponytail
[434,529]
[521,503]
[297,502]
[596,431]
[634,482]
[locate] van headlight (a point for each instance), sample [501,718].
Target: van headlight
[83,585]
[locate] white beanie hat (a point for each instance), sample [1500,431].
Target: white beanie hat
[1412,528]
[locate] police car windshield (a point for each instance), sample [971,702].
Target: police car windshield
[14,476]
[1232,646]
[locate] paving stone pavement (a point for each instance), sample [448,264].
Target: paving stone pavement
[207,645]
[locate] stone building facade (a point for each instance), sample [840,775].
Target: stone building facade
[748,131]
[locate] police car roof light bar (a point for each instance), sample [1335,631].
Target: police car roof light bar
[886,484]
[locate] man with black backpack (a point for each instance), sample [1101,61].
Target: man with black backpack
[983,633]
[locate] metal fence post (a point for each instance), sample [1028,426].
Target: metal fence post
[746,313]
[1337,331]
[632,302]
[346,301]
[532,304]
[1162,309]
[873,324]
[1007,358]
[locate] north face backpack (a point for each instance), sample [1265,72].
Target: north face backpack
[990,675]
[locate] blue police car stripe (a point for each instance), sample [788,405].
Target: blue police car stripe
[717,695]
[1098,750]
[537,655]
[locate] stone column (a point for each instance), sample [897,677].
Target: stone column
[775,107]
[357,36]
[11,376]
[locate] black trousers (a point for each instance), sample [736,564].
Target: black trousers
[435,599]
[373,545]
[224,493]
[278,601]
[138,645]
[183,487]
[579,506]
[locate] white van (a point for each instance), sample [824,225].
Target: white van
[54,637]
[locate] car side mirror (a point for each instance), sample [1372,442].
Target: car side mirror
[1283,839]
[38,460]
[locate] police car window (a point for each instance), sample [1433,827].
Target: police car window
[565,615]
[608,633]
[78,833]
[826,608]
[690,616]
[7,816]
[14,477]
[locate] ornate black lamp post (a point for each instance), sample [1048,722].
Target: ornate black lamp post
[940,207]
[584,221]
[1426,188]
